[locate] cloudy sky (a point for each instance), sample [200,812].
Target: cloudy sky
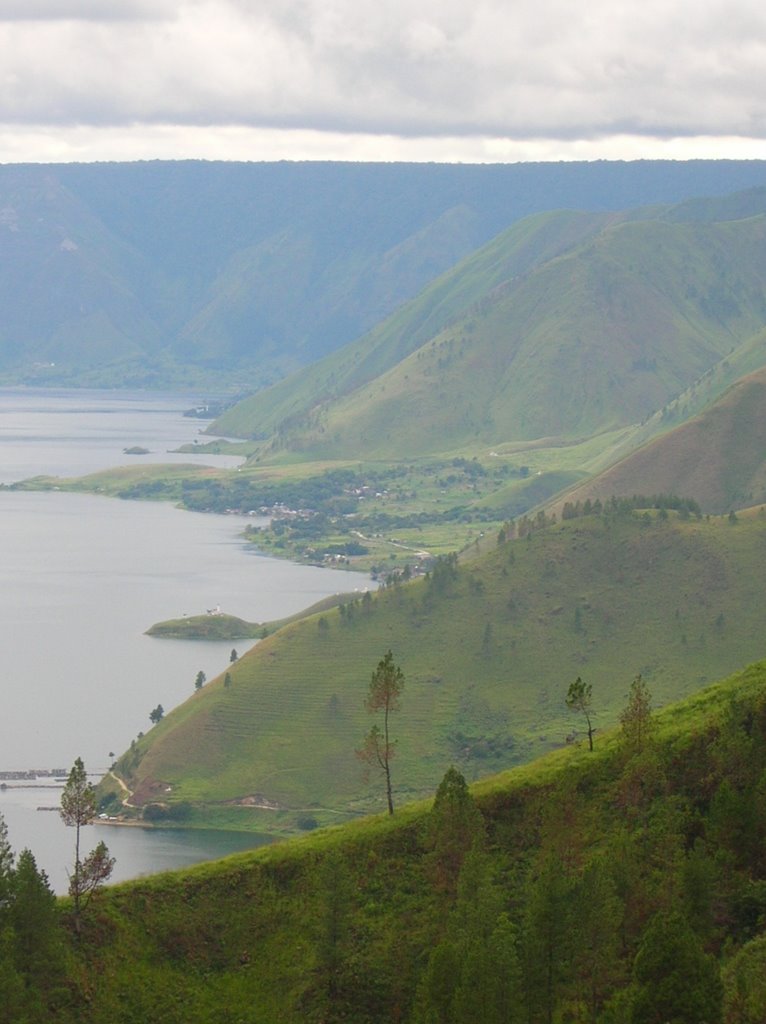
[469,80]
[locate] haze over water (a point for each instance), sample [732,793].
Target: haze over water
[82,577]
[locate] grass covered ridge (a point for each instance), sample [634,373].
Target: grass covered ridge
[488,650]
[582,854]
[566,325]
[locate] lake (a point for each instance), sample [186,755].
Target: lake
[82,577]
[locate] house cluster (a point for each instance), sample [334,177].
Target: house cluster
[364,492]
[280,511]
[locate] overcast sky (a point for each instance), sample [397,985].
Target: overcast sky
[469,80]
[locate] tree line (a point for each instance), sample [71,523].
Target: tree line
[633,891]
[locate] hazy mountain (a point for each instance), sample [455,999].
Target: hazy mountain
[563,326]
[170,272]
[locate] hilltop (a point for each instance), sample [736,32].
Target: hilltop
[488,647]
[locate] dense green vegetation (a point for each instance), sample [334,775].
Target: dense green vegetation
[623,886]
[375,517]
[489,645]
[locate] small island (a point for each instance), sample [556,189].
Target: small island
[216,626]
[135,450]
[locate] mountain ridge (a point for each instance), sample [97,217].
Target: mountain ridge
[597,331]
[163,277]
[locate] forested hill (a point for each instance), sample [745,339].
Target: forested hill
[622,886]
[173,273]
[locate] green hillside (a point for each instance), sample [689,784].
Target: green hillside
[563,327]
[718,456]
[623,885]
[488,649]
[515,251]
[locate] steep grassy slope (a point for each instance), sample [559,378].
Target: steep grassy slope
[487,653]
[718,457]
[597,337]
[514,252]
[577,859]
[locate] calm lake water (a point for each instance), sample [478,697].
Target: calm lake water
[82,578]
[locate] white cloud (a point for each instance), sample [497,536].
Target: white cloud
[534,69]
[85,10]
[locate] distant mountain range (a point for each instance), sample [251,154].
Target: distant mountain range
[168,273]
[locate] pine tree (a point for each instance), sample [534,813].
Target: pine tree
[675,979]
[384,695]
[454,825]
[37,939]
[436,991]
[637,717]
[12,995]
[598,916]
[472,927]
[11,984]
[547,939]
[78,809]
[6,866]
[580,699]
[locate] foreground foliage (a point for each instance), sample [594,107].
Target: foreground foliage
[36,972]
[617,887]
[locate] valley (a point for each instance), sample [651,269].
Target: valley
[541,432]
